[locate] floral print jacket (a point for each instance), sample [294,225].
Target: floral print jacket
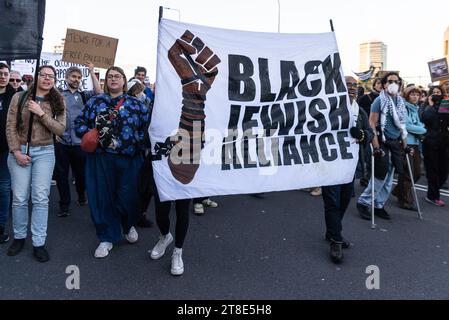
[127,127]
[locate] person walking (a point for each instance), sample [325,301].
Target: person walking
[112,169]
[31,172]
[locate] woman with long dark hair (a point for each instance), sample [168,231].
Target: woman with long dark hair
[32,172]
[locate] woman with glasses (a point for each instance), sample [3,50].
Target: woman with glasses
[31,171]
[112,169]
[15,80]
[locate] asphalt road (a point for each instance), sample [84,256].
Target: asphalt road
[247,248]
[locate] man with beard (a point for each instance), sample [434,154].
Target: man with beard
[67,148]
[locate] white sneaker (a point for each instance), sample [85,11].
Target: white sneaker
[209,203]
[132,235]
[198,209]
[159,249]
[103,249]
[177,265]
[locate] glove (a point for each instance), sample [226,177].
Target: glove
[357,133]
[378,152]
[409,151]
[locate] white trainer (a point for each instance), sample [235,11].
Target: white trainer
[210,203]
[198,209]
[177,265]
[103,250]
[159,249]
[132,235]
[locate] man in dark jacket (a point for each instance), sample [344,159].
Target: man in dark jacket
[6,93]
[336,198]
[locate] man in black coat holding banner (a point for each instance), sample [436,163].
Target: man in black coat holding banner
[336,198]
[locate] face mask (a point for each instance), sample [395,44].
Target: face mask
[436,98]
[393,88]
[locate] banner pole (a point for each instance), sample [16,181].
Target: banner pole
[413,185]
[373,225]
[332,25]
[161,12]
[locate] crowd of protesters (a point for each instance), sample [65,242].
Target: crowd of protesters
[392,123]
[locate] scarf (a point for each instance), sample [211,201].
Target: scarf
[398,113]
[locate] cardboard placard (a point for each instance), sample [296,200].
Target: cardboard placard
[81,46]
[438,70]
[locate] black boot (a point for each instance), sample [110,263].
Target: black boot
[336,252]
[41,254]
[4,236]
[16,247]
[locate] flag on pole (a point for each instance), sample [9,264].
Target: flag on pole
[22,28]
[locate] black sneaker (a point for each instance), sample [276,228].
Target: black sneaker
[364,211]
[345,243]
[63,213]
[336,252]
[41,254]
[4,236]
[381,213]
[16,247]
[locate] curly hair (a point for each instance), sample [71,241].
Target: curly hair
[53,97]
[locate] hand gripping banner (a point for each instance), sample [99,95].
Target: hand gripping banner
[246,112]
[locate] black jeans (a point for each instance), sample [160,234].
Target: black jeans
[66,157]
[336,200]
[182,218]
[199,200]
[436,164]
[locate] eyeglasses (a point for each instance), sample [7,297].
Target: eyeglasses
[15,80]
[46,75]
[114,76]
[351,85]
[4,74]
[393,81]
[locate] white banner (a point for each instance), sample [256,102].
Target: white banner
[54,59]
[271,108]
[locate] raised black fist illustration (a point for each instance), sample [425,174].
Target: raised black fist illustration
[197,76]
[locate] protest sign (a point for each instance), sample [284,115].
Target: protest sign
[80,46]
[55,60]
[245,112]
[438,70]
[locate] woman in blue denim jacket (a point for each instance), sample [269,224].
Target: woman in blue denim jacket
[112,170]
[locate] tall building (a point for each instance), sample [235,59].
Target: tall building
[373,53]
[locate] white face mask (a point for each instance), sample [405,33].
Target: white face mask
[393,88]
[141,96]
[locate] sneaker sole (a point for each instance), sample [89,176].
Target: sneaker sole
[435,204]
[177,273]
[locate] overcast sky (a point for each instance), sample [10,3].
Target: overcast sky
[414,33]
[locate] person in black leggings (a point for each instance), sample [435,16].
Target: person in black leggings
[163,222]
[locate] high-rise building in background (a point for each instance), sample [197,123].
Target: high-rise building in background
[373,53]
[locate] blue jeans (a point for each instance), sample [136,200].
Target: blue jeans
[5,189]
[382,190]
[34,179]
